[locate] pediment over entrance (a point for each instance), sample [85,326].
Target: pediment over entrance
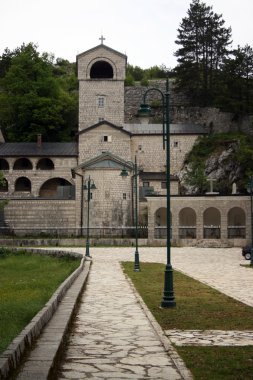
[105,160]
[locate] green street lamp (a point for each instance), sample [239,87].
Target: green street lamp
[88,185]
[168,299]
[250,190]
[124,174]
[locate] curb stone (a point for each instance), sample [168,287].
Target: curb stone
[179,363]
[12,356]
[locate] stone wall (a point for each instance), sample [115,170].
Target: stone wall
[180,110]
[62,169]
[111,90]
[92,144]
[151,155]
[109,207]
[200,204]
[28,215]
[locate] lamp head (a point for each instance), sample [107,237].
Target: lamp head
[124,173]
[93,186]
[143,113]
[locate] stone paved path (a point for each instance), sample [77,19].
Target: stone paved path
[210,338]
[112,338]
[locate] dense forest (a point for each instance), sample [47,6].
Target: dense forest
[39,94]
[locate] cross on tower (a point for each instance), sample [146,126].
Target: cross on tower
[102,38]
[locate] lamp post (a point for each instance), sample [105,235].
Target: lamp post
[88,185]
[250,190]
[124,173]
[168,299]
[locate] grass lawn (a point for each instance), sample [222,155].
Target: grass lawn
[27,281]
[198,307]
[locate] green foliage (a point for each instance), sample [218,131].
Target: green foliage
[137,74]
[27,282]
[144,81]
[37,96]
[236,79]
[129,81]
[206,146]
[204,44]
[195,176]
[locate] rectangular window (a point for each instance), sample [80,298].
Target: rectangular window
[139,147]
[145,184]
[101,119]
[101,101]
[124,195]
[163,185]
[107,138]
[175,144]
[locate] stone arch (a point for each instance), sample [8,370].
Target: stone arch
[4,186]
[56,188]
[101,70]
[22,164]
[187,223]
[161,223]
[211,223]
[236,221]
[4,164]
[45,164]
[23,184]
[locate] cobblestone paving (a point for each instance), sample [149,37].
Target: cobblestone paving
[112,338]
[210,337]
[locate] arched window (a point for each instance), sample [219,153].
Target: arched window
[212,220]
[101,70]
[45,164]
[57,188]
[236,223]
[4,186]
[23,184]
[22,164]
[4,165]
[187,223]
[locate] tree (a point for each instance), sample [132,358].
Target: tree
[237,81]
[204,44]
[32,99]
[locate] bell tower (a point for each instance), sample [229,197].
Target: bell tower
[101,75]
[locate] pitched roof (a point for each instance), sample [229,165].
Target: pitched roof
[175,129]
[99,46]
[156,176]
[32,149]
[104,122]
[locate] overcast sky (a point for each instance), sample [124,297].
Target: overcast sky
[144,30]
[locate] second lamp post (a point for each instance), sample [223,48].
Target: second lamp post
[124,173]
[88,185]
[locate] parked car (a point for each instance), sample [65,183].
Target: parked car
[246,252]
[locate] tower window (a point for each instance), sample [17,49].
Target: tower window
[101,101]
